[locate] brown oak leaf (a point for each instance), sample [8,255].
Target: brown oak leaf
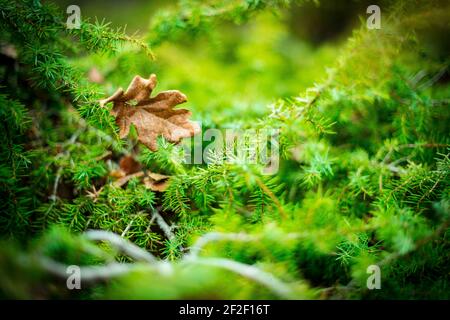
[151,116]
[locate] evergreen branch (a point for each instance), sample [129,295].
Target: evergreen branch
[419,244]
[99,36]
[193,19]
[413,145]
[395,256]
[272,196]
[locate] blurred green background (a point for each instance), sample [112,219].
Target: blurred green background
[234,67]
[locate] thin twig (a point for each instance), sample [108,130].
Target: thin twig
[197,247]
[163,225]
[88,273]
[105,272]
[126,229]
[217,236]
[265,278]
[121,244]
[55,185]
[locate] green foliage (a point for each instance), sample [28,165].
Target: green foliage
[364,174]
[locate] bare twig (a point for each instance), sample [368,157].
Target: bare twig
[251,272]
[55,185]
[105,272]
[217,236]
[235,237]
[88,273]
[163,225]
[121,244]
[126,229]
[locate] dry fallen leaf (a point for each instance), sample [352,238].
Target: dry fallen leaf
[129,165]
[157,176]
[153,181]
[156,182]
[130,168]
[151,117]
[117,173]
[121,181]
